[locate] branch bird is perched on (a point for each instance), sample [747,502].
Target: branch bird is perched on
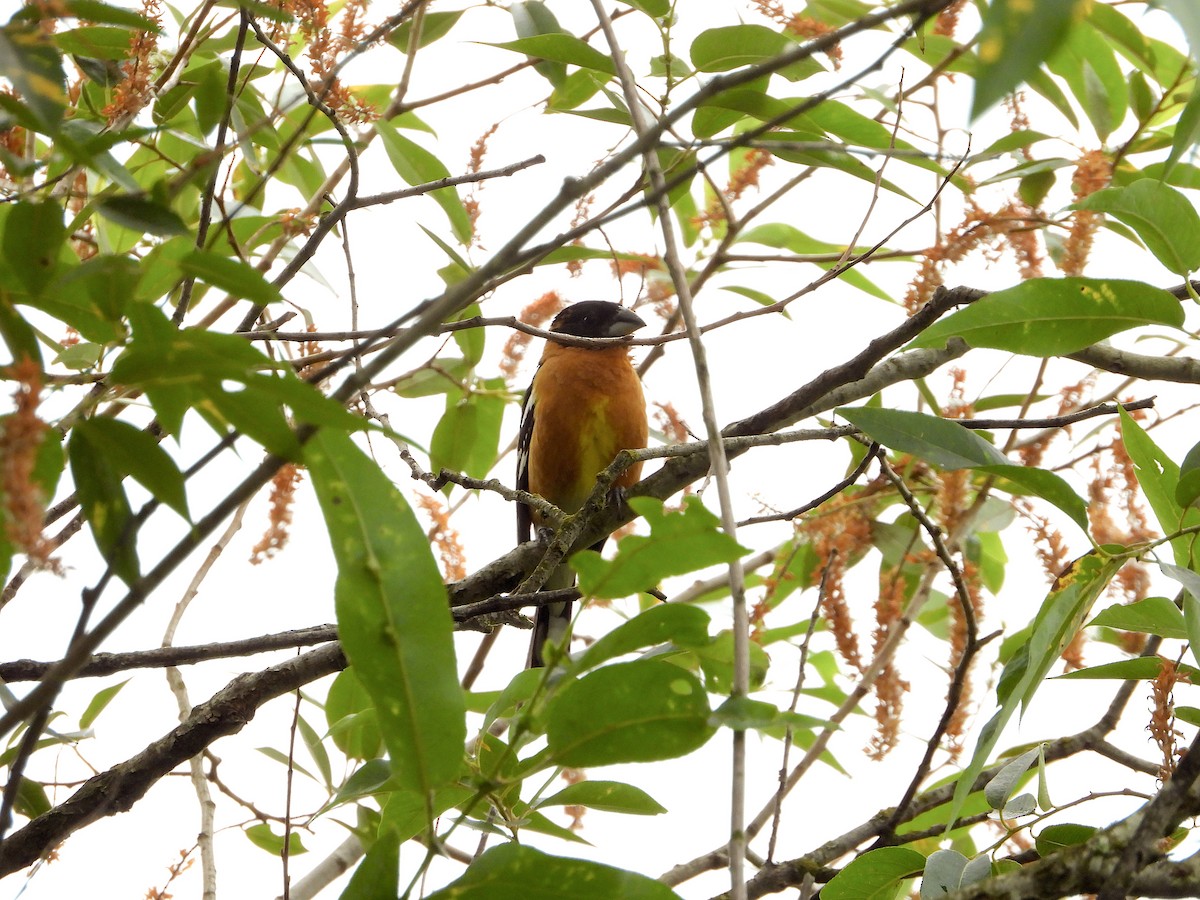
[583,407]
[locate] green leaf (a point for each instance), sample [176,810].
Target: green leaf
[1158,477]
[1163,218]
[1006,782]
[188,369]
[733,46]
[1047,485]
[1191,619]
[1055,316]
[653,8]
[288,762]
[563,48]
[19,337]
[1015,40]
[629,712]
[1087,62]
[393,618]
[1187,132]
[378,875]
[261,8]
[104,503]
[31,800]
[352,719]
[131,451]
[533,18]
[33,65]
[679,543]
[239,279]
[743,713]
[1143,668]
[1154,615]
[33,236]
[1188,714]
[716,661]
[788,237]
[685,626]
[417,166]
[875,875]
[942,442]
[440,376]
[316,749]
[252,411]
[467,437]
[99,702]
[405,812]
[1061,615]
[1188,488]
[471,342]
[515,872]
[365,781]
[1053,838]
[93,297]
[142,215]
[261,835]
[610,796]
[97,42]
[943,874]
[109,14]
[434,25]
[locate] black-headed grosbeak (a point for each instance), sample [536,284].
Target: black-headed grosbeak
[582,408]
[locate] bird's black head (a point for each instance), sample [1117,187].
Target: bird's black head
[596,319]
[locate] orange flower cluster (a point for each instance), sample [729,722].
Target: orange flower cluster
[1113,491]
[13,139]
[800,25]
[957,726]
[537,313]
[947,20]
[950,248]
[133,91]
[979,230]
[83,240]
[23,433]
[173,871]
[474,165]
[744,177]
[1093,172]
[674,429]
[1162,718]
[1019,122]
[279,520]
[583,208]
[1048,541]
[1071,398]
[324,46]
[575,776]
[839,535]
[889,687]
[444,537]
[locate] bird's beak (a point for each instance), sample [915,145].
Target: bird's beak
[626,322]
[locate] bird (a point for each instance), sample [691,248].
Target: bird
[583,406]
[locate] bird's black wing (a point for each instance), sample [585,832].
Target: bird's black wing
[524,436]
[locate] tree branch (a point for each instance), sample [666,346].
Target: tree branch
[118,788]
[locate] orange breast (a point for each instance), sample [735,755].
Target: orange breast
[588,407]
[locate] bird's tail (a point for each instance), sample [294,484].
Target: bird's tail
[553,619]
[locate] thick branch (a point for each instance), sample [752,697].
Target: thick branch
[117,789]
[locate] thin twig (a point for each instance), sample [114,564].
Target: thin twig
[716,448]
